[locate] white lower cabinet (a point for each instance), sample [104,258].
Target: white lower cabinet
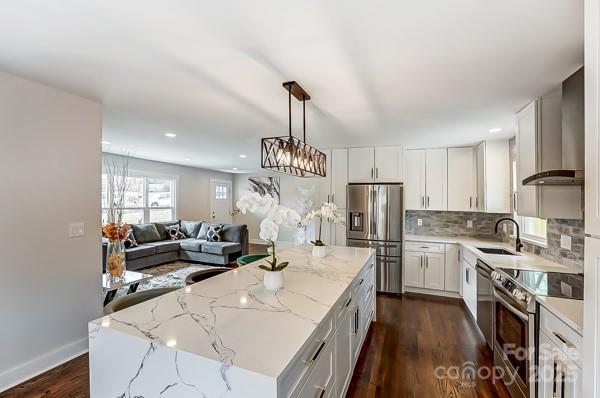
[469,286]
[413,269]
[559,376]
[434,271]
[452,268]
[432,266]
[321,382]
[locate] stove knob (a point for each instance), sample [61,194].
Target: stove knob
[520,295]
[496,276]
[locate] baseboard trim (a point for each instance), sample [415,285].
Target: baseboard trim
[430,292]
[38,365]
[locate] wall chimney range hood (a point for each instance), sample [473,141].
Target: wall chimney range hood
[571,141]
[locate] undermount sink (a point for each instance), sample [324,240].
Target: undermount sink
[495,250]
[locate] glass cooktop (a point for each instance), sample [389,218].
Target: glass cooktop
[552,284]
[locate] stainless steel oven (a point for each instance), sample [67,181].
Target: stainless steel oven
[514,341]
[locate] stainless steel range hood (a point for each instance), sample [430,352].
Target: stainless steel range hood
[572,140]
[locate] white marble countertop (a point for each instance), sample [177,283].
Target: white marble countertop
[231,318]
[569,310]
[522,261]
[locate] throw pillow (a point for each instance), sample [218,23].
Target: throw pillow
[214,233]
[175,232]
[145,233]
[130,241]
[163,228]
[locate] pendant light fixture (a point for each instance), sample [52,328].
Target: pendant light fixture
[289,154]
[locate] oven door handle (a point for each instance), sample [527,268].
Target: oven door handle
[511,308]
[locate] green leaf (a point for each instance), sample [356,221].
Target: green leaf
[264,267]
[281,266]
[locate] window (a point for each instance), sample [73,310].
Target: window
[148,199]
[221,192]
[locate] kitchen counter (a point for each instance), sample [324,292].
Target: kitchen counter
[522,261]
[569,310]
[227,334]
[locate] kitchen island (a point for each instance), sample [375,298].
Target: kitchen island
[229,336]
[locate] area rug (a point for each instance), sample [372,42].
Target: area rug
[167,275]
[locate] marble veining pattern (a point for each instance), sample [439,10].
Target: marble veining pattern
[229,325]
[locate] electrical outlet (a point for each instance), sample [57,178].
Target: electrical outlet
[419,222]
[565,242]
[469,223]
[76,229]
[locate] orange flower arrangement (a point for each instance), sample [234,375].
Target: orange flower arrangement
[114,233]
[115,259]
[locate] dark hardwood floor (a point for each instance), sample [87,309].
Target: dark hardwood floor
[414,334]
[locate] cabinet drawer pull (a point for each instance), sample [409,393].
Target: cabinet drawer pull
[554,366]
[322,390]
[371,266]
[348,302]
[316,354]
[563,339]
[360,282]
[371,289]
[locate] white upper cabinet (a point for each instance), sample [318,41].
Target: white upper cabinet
[493,177]
[527,152]
[361,164]
[426,179]
[389,164]
[339,176]
[414,179]
[380,164]
[461,179]
[436,179]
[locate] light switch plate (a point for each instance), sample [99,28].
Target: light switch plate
[565,242]
[76,229]
[419,222]
[469,223]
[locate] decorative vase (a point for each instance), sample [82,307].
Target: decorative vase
[273,280]
[319,251]
[115,259]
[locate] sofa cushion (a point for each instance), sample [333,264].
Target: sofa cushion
[233,232]
[191,228]
[194,245]
[163,228]
[221,248]
[165,246]
[145,233]
[139,252]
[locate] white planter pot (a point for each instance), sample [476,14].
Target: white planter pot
[273,280]
[319,251]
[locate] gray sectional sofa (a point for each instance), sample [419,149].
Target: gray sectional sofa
[155,245]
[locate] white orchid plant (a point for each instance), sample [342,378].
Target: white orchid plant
[274,216]
[328,211]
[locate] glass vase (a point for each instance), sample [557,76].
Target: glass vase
[115,259]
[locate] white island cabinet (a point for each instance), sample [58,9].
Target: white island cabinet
[229,337]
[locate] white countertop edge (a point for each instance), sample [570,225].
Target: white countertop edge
[568,310]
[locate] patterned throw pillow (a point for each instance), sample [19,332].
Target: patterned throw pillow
[130,241]
[175,233]
[214,233]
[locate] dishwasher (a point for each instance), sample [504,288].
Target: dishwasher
[485,302]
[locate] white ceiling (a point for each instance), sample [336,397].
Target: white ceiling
[419,73]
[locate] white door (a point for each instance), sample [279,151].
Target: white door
[339,176]
[414,181]
[461,178]
[452,268]
[436,179]
[434,271]
[413,269]
[361,164]
[389,164]
[527,130]
[220,201]
[591,317]
[481,180]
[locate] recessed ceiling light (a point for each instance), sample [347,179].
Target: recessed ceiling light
[495,130]
[187,159]
[105,142]
[243,156]
[170,135]
[235,168]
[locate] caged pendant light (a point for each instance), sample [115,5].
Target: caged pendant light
[289,154]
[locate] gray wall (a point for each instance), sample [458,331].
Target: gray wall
[193,185]
[50,283]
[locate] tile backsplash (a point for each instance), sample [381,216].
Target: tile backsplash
[454,223]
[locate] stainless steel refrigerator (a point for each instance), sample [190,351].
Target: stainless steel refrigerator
[376,219]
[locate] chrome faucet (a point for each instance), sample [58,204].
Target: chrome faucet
[518,243]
